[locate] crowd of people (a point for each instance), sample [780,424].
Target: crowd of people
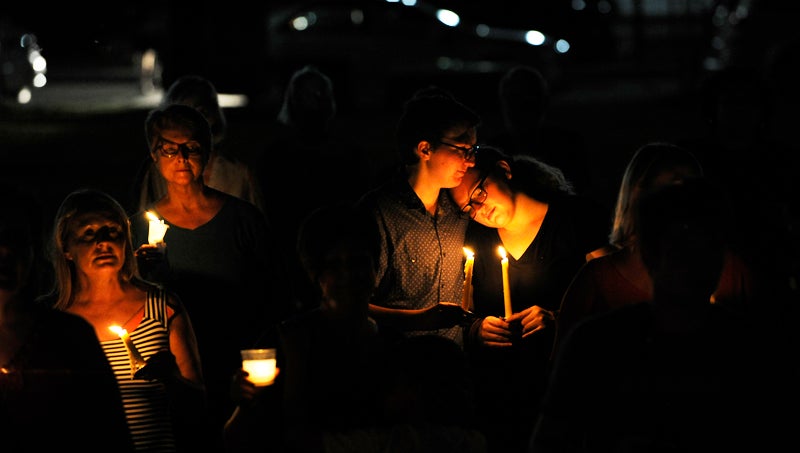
[473,297]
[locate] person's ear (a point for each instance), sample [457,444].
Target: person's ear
[504,165]
[424,149]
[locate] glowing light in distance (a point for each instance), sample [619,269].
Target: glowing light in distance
[534,38]
[24,95]
[448,17]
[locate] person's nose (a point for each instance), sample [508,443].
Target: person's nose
[103,235]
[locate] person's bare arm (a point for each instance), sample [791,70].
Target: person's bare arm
[183,345]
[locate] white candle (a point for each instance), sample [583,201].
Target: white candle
[506,287]
[260,365]
[466,298]
[137,361]
[157,230]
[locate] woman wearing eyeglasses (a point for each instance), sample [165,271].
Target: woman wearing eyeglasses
[219,257]
[530,209]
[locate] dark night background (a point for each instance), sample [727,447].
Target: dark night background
[632,76]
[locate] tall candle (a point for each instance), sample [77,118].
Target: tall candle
[466,297]
[157,230]
[506,287]
[137,361]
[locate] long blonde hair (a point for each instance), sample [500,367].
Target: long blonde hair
[79,202]
[641,174]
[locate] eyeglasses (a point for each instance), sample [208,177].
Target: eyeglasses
[466,152]
[171,149]
[476,199]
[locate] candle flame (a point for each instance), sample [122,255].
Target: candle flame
[468,252]
[151,215]
[501,251]
[118,330]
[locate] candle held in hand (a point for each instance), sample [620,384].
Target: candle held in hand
[260,365]
[506,286]
[157,230]
[466,298]
[137,361]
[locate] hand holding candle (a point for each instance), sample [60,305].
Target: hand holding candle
[157,230]
[506,287]
[260,365]
[466,298]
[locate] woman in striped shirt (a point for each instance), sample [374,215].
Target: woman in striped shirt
[144,330]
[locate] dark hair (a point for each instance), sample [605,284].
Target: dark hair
[529,175]
[428,118]
[689,219]
[308,102]
[178,117]
[523,89]
[332,225]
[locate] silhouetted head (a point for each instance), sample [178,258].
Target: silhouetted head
[683,234]
[337,246]
[308,102]
[523,95]
[198,92]
[653,165]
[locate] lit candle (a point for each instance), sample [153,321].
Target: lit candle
[260,365]
[466,298]
[137,361]
[506,287]
[157,230]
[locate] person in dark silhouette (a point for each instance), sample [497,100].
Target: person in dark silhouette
[673,373]
[344,385]
[619,277]
[306,139]
[327,355]
[524,97]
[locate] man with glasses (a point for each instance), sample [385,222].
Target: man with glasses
[421,264]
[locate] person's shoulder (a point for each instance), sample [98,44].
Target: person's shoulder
[618,324]
[239,204]
[599,264]
[387,189]
[300,325]
[227,163]
[65,324]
